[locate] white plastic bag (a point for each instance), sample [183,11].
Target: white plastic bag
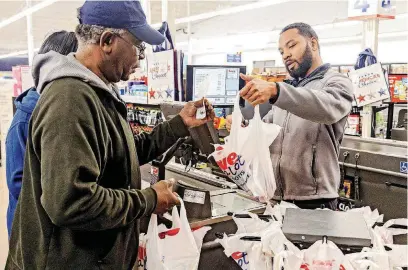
[141,254]
[198,233]
[278,210]
[370,217]
[177,252]
[323,255]
[245,156]
[250,225]
[289,258]
[247,254]
[387,234]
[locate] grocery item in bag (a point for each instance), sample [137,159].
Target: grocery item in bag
[245,156]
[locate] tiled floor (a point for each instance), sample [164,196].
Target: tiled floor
[3,211]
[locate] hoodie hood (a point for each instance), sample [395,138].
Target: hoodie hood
[52,66]
[27,100]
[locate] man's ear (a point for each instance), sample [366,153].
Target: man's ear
[315,44]
[106,41]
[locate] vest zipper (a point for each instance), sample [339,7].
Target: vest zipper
[280,156]
[313,167]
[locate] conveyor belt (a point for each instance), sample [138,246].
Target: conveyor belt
[375,148]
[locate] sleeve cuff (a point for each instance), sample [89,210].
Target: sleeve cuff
[150,196]
[178,127]
[275,98]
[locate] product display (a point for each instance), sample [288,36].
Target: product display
[143,119]
[398,87]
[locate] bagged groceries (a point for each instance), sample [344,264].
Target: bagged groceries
[261,244]
[177,250]
[245,156]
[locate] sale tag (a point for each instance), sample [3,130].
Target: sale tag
[194,196]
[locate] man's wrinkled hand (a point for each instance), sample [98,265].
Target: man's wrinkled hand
[166,198]
[188,113]
[257,91]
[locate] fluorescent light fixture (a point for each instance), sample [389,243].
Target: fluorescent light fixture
[26,12]
[340,39]
[335,25]
[228,11]
[24,52]
[402,15]
[394,34]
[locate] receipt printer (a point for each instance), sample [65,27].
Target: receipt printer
[197,201]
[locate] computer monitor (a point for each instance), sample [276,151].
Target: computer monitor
[222,83]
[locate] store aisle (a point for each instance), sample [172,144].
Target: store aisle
[3,211]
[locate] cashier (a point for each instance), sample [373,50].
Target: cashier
[312,109]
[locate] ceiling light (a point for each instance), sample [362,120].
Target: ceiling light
[402,15]
[340,39]
[394,34]
[229,11]
[337,24]
[26,12]
[24,52]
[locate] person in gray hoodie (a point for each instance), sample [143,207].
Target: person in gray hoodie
[312,110]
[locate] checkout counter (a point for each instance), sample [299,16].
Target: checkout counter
[375,165]
[380,168]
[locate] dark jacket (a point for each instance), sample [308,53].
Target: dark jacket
[15,148]
[81,201]
[312,113]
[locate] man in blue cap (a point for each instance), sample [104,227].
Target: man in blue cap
[81,197]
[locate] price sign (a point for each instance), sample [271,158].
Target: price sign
[367,9]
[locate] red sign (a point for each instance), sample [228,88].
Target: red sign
[398,87]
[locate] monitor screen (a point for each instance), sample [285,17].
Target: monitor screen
[219,84]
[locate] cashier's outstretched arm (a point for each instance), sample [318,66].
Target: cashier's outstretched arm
[326,105]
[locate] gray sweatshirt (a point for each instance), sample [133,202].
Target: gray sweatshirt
[312,116]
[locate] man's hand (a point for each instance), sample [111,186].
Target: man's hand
[166,198]
[188,113]
[257,91]
[228,122]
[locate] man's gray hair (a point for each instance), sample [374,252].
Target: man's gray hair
[91,34]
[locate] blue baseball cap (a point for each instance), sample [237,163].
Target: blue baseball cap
[127,15]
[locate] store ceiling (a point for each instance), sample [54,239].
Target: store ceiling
[62,15]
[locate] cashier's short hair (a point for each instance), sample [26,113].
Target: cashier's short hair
[304,29]
[62,42]
[91,34]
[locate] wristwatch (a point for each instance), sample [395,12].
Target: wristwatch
[272,100]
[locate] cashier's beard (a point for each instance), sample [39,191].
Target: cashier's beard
[304,65]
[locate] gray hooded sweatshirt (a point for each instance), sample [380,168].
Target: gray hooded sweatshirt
[312,114]
[55,66]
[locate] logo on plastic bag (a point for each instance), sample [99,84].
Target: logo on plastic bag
[233,166]
[241,259]
[323,265]
[141,258]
